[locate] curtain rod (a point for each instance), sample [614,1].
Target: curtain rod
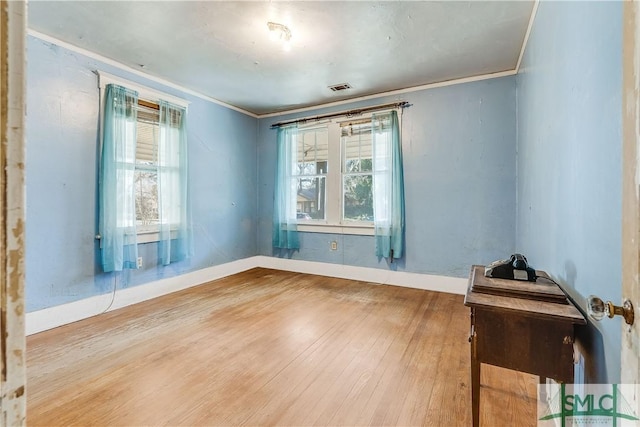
[349,113]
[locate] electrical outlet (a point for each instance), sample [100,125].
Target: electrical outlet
[334,245]
[139,262]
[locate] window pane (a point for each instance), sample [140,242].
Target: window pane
[358,165]
[312,151]
[311,198]
[358,198]
[356,147]
[146,197]
[146,176]
[146,142]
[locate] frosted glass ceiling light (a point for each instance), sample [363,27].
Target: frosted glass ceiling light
[280,32]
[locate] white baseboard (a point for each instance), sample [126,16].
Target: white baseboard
[49,318]
[430,282]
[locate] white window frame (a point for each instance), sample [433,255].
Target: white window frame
[148,233]
[333,222]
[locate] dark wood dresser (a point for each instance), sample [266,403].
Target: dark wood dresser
[519,325]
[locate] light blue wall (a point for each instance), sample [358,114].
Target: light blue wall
[459,153]
[463,205]
[569,160]
[61,175]
[458,146]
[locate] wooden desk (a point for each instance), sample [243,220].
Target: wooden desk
[524,326]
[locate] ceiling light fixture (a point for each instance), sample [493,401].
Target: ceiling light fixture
[280,32]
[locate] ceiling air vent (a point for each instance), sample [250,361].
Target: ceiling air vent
[339,87]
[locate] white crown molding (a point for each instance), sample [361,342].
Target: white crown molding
[394,92]
[98,57]
[532,18]
[144,92]
[49,318]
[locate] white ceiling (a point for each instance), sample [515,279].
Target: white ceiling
[223,49]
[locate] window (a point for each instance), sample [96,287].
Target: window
[312,147]
[143,174]
[357,171]
[334,177]
[146,167]
[147,164]
[341,177]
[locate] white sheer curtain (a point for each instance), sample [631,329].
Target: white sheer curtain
[388,185]
[173,195]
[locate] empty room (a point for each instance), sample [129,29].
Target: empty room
[319,213]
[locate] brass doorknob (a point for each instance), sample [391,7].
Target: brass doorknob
[596,309]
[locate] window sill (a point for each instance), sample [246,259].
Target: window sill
[355,229]
[152,236]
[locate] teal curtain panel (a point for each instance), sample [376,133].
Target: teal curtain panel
[285,228]
[117,214]
[388,185]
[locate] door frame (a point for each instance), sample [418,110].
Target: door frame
[630,345]
[13,24]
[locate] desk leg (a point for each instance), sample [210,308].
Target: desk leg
[475,384]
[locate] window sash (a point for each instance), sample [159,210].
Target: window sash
[337,171]
[147,159]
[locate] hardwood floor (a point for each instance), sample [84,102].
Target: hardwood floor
[267,347]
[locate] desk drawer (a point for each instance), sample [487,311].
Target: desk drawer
[537,346]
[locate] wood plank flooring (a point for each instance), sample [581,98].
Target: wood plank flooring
[267,347]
